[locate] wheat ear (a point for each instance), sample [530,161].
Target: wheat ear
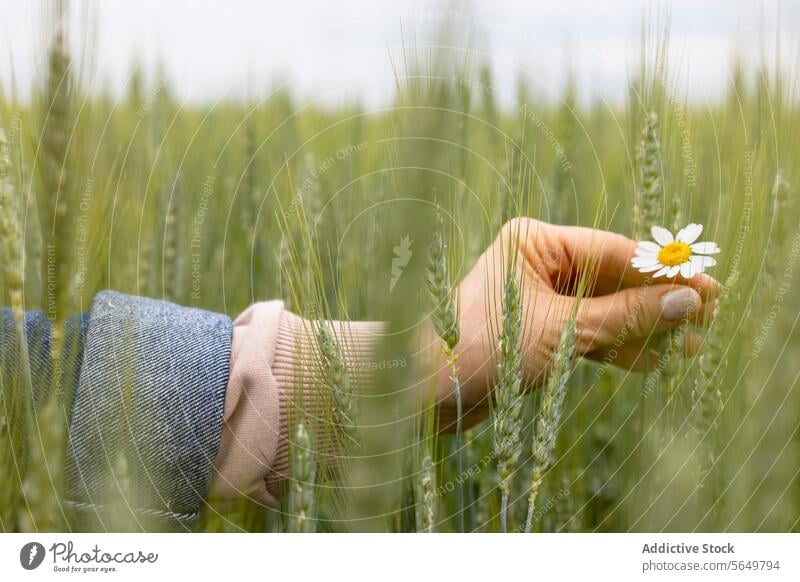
[15,390]
[546,432]
[707,399]
[650,191]
[301,496]
[11,233]
[507,414]
[445,320]
[337,379]
[56,181]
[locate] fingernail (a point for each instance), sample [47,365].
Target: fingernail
[679,303]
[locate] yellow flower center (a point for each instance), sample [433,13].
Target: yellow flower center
[675,253]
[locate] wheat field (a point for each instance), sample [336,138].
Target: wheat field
[354,213]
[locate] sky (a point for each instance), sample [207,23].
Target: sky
[337,51]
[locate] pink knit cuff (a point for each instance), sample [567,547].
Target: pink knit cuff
[274,353]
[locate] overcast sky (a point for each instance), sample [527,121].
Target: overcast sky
[338,50]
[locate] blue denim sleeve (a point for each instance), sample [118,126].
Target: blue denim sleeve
[148,404]
[37,333]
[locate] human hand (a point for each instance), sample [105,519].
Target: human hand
[623,310]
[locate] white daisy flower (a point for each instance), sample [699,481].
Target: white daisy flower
[672,255]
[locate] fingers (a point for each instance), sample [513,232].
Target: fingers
[607,256]
[635,356]
[706,285]
[638,356]
[471,416]
[692,344]
[637,313]
[563,252]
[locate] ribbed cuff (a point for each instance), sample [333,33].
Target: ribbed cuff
[274,354]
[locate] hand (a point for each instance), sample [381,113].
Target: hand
[623,308]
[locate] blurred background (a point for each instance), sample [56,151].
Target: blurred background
[340,50]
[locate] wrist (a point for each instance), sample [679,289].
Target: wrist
[303,388]
[276,372]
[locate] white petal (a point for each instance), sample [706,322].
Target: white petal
[647,248]
[644,261]
[700,262]
[687,270]
[689,234]
[661,235]
[705,248]
[651,268]
[674,270]
[661,271]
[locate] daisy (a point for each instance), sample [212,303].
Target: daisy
[672,255]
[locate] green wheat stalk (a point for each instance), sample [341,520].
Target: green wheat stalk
[302,504]
[445,320]
[43,482]
[337,380]
[57,185]
[546,432]
[16,385]
[11,234]
[650,192]
[707,400]
[507,415]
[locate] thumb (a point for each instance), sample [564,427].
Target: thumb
[635,313]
